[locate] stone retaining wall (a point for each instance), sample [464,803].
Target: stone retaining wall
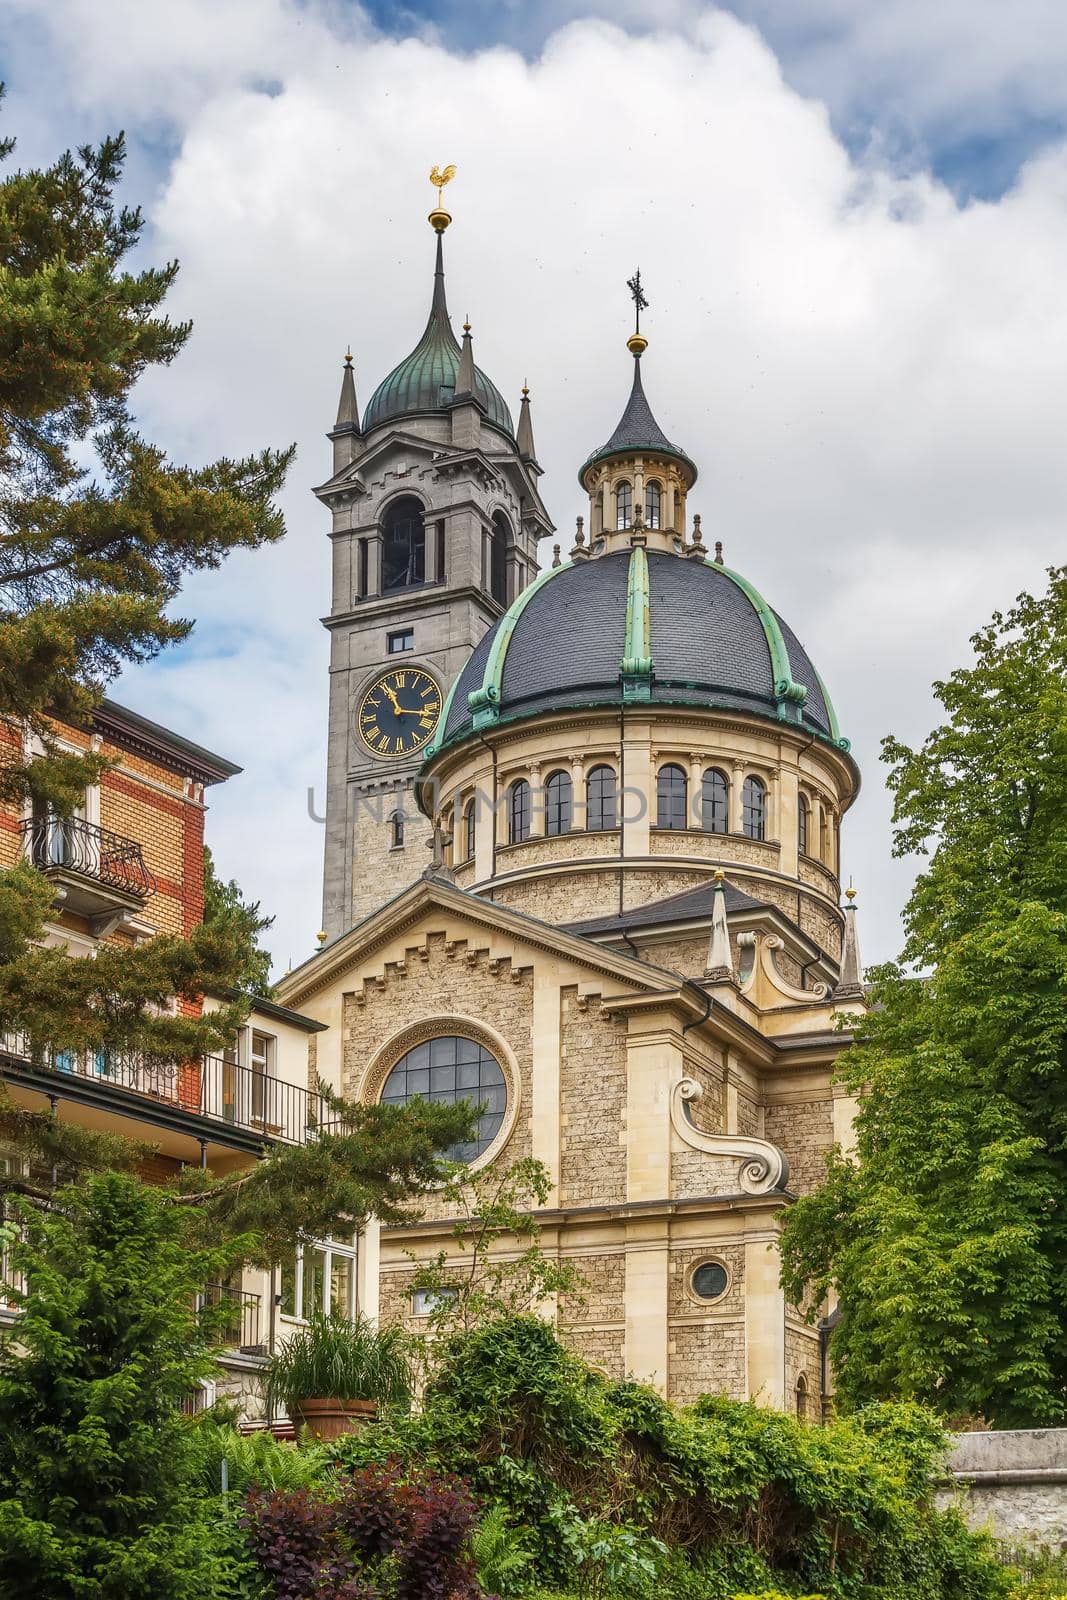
[1014,1483]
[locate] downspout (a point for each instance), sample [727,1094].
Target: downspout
[696,1022]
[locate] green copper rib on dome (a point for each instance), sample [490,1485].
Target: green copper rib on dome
[484,702]
[789,695]
[636,664]
[426,379]
[831,714]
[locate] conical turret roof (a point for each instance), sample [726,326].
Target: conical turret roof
[637,430]
[427,379]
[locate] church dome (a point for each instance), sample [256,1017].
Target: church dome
[632,626]
[426,380]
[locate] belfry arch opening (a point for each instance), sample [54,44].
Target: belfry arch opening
[403,544]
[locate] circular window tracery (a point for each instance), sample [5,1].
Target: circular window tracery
[710,1280]
[448,1069]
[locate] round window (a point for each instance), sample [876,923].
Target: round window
[453,1069]
[710,1280]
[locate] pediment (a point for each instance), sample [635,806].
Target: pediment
[433,906]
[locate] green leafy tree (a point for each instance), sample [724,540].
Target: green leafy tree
[225,907]
[496,1265]
[946,1235]
[97,1479]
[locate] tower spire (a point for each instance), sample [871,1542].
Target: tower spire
[347,409]
[850,984]
[465,375]
[524,438]
[720,967]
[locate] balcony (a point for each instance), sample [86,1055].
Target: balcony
[241,1314]
[211,1098]
[98,874]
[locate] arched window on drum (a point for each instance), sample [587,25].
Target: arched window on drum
[754,808]
[671,794]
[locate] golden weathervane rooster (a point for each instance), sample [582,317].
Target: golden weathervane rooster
[439,179]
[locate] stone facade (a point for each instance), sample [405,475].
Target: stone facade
[661,1098]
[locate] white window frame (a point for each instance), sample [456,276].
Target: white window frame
[330,1248]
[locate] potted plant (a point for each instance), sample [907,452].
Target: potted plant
[334,1372]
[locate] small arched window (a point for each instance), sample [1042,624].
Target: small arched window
[824,835]
[714,802]
[558,795]
[653,504]
[518,812]
[600,799]
[803,824]
[671,798]
[403,544]
[396,830]
[754,808]
[624,505]
[499,539]
[802,1398]
[469,831]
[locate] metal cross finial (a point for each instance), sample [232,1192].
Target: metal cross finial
[640,303]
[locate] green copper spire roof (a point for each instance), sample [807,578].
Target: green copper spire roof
[426,380]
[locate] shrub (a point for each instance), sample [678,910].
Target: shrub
[390,1535]
[336,1358]
[744,1500]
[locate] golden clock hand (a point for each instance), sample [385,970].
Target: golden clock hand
[393,701]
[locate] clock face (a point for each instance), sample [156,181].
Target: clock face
[399,712]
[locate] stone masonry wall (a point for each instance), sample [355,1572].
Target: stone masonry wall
[593,1096]
[706,1349]
[1014,1483]
[592,1322]
[805,1131]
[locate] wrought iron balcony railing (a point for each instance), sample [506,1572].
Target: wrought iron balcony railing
[242,1315]
[57,844]
[212,1087]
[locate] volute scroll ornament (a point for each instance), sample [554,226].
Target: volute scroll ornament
[764,1167]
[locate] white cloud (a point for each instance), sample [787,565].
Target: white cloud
[869,377]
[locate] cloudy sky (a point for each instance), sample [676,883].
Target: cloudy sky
[851,218]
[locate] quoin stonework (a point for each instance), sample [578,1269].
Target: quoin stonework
[583,864]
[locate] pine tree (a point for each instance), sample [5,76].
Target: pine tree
[226,907]
[946,1237]
[96,1482]
[97,530]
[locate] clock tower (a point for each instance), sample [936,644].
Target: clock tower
[436,517]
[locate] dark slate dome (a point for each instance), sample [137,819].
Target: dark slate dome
[426,379]
[636,626]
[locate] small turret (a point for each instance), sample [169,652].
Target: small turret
[720,967]
[345,431]
[524,438]
[850,985]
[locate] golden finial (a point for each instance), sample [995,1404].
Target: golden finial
[439,217]
[321,937]
[719,875]
[348,356]
[467,325]
[525,390]
[850,894]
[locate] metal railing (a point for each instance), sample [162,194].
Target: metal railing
[71,844]
[212,1086]
[242,1319]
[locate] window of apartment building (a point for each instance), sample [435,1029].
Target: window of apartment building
[319,1278]
[261,1060]
[402,639]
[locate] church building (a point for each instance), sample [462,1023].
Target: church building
[582,866]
